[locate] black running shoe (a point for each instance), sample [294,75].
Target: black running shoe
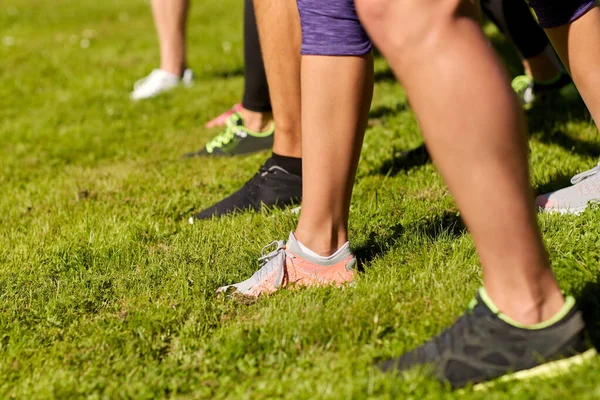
[531,93]
[482,346]
[236,140]
[272,186]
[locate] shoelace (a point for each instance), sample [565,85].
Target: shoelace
[231,128]
[255,181]
[586,174]
[267,268]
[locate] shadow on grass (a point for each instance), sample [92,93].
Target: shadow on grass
[229,73]
[446,224]
[377,245]
[557,182]
[574,145]
[404,160]
[386,110]
[384,75]
[542,120]
[589,304]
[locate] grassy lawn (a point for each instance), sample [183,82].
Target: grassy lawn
[107,292]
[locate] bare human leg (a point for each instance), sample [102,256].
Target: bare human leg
[170,21]
[280,38]
[575,39]
[336,97]
[480,154]
[520,320]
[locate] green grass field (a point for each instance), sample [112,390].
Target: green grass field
[106,291]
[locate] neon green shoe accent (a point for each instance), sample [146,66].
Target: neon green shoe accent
[234,124]
[547,370]
[523,87]
[569,304]
[521,83]
[472,304]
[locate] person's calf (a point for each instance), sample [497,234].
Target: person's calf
[453,51]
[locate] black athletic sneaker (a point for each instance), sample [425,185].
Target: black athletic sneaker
[531,93]
[235,140]
[272,186]
[484,344]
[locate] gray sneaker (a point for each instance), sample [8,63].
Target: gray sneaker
[287,266]
[573,199]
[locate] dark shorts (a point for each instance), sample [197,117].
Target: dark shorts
[332,28]
[553,13]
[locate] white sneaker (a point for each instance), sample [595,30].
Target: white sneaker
[159,81]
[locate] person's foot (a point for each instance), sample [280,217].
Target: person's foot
[531,92]
[287,266]
[221,119]
[160,81]
[573,199]
[271,186]
[236,140]
[484,344]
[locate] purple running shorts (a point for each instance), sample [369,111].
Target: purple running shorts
[553,13]
[332,28]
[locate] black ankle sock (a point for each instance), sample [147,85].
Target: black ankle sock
[293,165]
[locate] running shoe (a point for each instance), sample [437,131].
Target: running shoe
[160,81]
[287,266]
[485,345]
[222,119]
[573,199]
[236,140]
[531,92]
[271,186]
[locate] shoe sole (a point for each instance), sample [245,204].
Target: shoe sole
[563,211]
[548,370]
[566,211]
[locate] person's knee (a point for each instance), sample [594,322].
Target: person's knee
[332,28]
[405,24]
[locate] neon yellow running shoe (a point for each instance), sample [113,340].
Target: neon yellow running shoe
[531,92]
[484,346]
[236,139]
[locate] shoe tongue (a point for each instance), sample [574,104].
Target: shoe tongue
[269,163]
[292,239]
[479,307]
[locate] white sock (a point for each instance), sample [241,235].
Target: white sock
[322,258]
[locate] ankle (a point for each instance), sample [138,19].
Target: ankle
[256,121]
[288,139]
[323,242]
[530,307]
[174,69]
[544,66]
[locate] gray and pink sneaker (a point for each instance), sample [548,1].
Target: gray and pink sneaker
[585,190]
[287,266]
